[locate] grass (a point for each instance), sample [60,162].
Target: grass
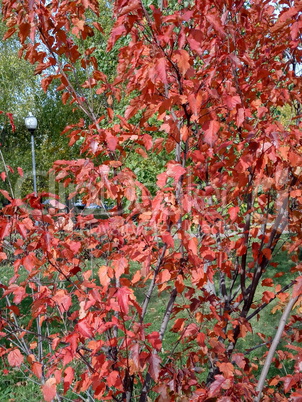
[268,321]
[14,386]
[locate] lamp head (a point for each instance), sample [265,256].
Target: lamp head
[31,122]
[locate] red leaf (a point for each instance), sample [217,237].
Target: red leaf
[179,284]
[216,22]
[24,29]
[114,379]
[168,239]
[68,378]
[240,117]
[194,40]
[122,296]
[63,300]
[75,246]
[20,171]
[136,277]
[193,245]
[84,328]
[290,381]
[267,282]
[98,26]
[130,6]
[233,212]
[295,29]
[191,330]
[57,204]
[65,97]
[37,369]
[288,13]
[111,142]
[163,276]
[30,261]
[18,292]
[267,253]
[297,290]
[22,230]
[184,131]
[296,396]
[261,111]
[148,142]
[178,325]
[8,34]
[232,101]
[195,101]
[120,266]
[154,365]
[267,296]
[295,159]
[161,179]
[49,389]
[155,341]
[161,70]
[227,369]
[15,359]
[46,82]
[134,354]
[110,115]
[158,72]
[3,256]
[117,31]
[182,59]
[11,120]
[103,276]
[6,195]
[219,383]
[175,170]
[239,359]
[211,129]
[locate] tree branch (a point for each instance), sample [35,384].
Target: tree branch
[273,347]
[263,305]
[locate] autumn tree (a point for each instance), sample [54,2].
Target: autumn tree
[202,81]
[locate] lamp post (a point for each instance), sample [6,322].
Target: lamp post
[31,125]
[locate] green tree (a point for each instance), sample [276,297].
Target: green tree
[21,93]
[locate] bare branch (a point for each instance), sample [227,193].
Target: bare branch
[274,345]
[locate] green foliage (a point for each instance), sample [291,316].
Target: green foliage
[21,93]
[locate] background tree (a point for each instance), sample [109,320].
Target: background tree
[21,93]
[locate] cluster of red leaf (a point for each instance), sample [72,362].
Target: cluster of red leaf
[205,83]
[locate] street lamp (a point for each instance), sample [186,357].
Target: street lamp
[31,125]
